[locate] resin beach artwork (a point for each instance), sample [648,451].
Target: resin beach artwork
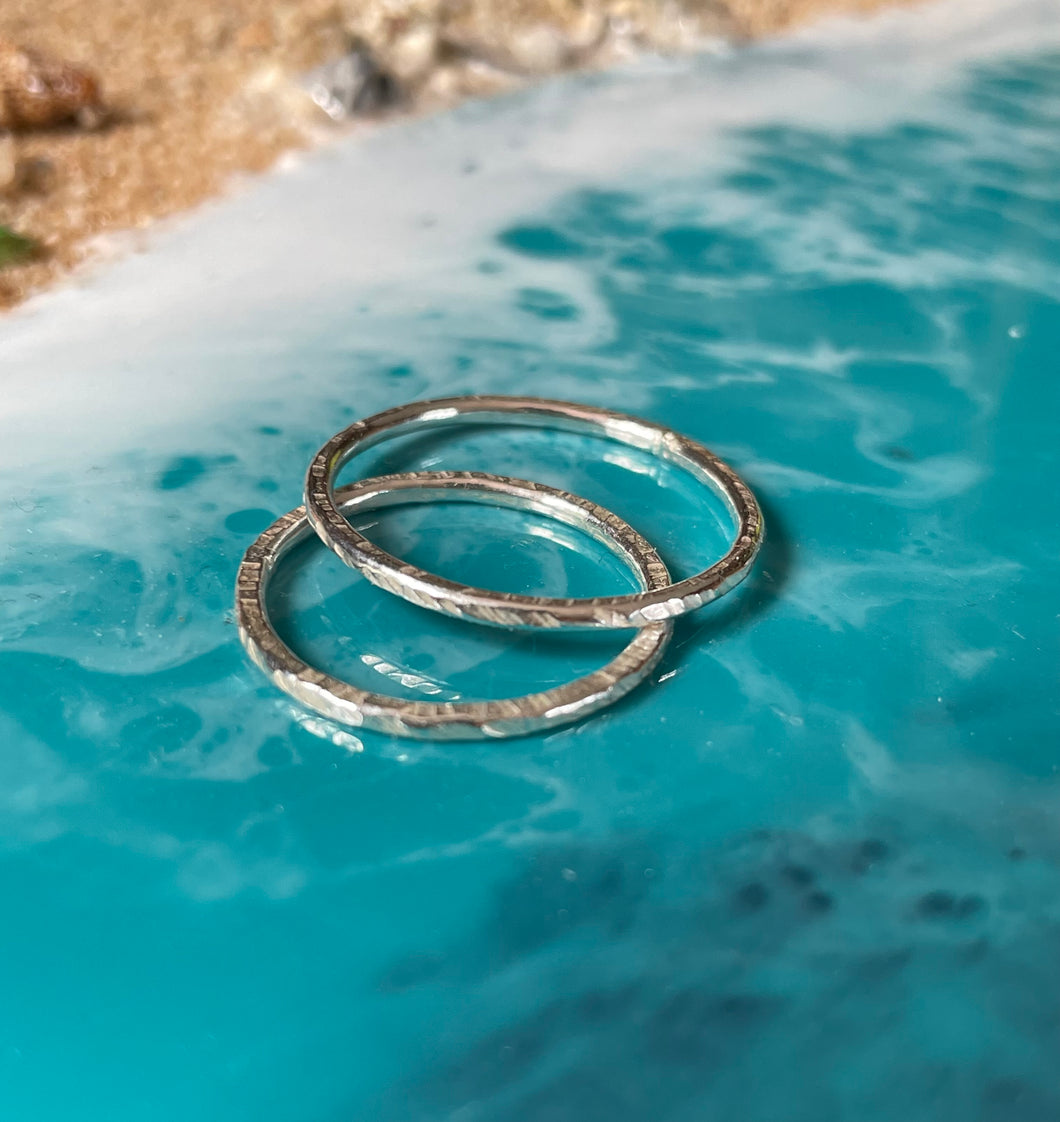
[810,870]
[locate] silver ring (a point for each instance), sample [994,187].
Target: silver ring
[507,609]
[471,720]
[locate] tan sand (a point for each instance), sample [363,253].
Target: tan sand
[198,90]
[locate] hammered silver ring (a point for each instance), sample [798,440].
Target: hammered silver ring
[349,705]
[503,609]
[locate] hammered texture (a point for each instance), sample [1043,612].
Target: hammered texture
[349,705]
[510,610]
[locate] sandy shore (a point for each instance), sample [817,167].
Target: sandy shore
[198,91]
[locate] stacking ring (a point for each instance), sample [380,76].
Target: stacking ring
[658,601]
[471,720]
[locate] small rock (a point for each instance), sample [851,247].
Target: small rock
[39,92]
[543,49]
[443,84]
[354,85]
[413,53]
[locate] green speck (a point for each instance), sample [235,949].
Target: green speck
[14,247]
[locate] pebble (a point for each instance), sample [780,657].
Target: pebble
[413,54]
[539,50]
[353,85]
[38,92]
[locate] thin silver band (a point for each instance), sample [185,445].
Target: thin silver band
[507,609]
[473,720]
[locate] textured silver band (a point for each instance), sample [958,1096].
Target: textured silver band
[507,609]
[472,720]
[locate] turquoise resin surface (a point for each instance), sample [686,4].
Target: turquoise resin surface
[809,873]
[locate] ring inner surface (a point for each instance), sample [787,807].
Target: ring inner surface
[341,624]
[661,498]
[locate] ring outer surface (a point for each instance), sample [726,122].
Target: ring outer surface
[356,708]
[511,610]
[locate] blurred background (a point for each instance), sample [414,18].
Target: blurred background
[115,114]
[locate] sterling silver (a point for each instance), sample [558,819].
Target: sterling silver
[472,720]
[503,609]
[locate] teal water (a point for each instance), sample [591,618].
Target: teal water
[809,873]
